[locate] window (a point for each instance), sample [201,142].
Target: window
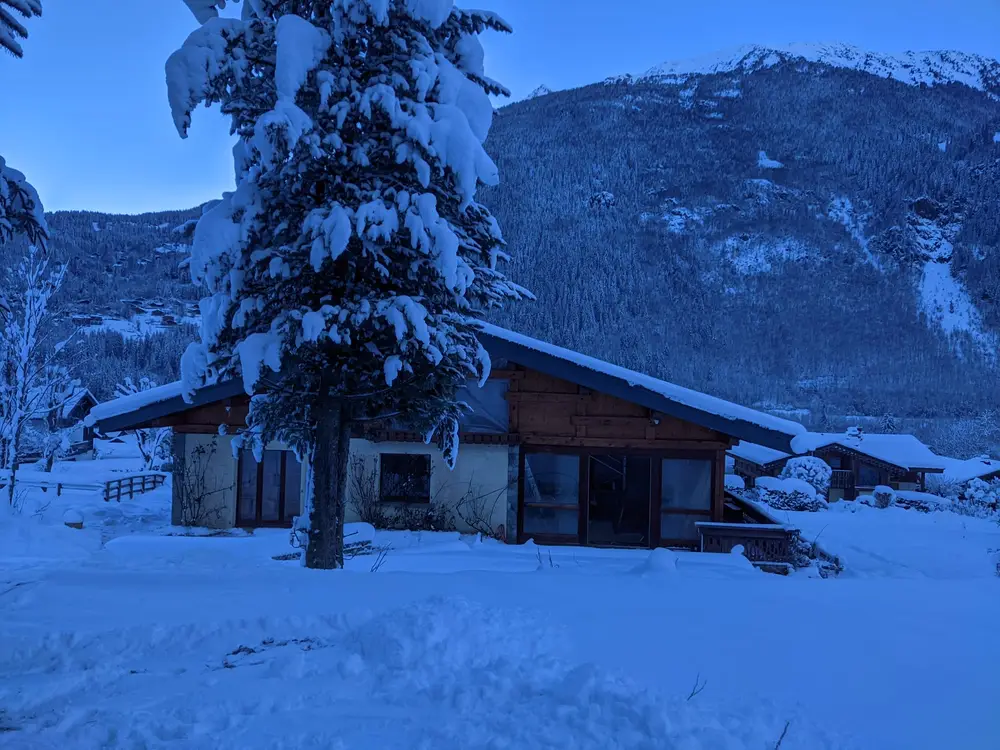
[405,477]
[269,493]
[685,497]
[551,494]
[834,462]
[868,476]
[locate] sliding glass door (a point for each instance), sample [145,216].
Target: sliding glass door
[626,499]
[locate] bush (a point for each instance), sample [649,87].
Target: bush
[789,494]
[810,469]
[980,499]
[883,497]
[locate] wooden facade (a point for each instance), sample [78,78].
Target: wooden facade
[548,416]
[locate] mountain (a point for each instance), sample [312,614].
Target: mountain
[809,227]
[542,90]
[913,68]
[813,230]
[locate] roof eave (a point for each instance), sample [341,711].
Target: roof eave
[613,386]
[138,417]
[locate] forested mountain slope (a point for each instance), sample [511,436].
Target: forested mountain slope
[783,231]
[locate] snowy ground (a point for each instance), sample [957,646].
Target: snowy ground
[152,641]
[898,543]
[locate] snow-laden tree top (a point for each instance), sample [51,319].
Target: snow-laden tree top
[12,31]
[353,242]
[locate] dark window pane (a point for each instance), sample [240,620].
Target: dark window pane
[405,477]
[867,475]
[248,488]
[681,526]
[686,484]
[293,486]
[561,521]
[552,479]
[833,461]
[271,489]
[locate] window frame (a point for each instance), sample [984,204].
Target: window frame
[402,499]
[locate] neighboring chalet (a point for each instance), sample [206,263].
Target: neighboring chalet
[859,462]
[560,448]
[962,472]
[69,415]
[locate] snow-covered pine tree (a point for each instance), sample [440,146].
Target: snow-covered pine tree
[352,261]
[20,210]
[887,424]
[12,31]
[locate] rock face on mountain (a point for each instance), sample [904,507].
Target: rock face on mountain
[809,226]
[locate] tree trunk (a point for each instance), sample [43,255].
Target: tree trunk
[331,452]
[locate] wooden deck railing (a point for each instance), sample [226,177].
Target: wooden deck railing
[114,488]
[132,485]
[842,479]
[762,542]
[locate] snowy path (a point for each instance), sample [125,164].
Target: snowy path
[129,649]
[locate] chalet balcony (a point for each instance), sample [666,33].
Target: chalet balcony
[842,479]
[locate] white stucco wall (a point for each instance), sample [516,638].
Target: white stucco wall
[480,474]
[219,472]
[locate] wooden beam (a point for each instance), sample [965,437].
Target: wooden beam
[529,439]
[506,374]
[203,429]
[535,397]
[597,421]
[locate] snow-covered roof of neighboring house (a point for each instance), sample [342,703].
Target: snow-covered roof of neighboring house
[683,403]
[67,406]
[961,471]
[904,451]
[674,400]
[758,454]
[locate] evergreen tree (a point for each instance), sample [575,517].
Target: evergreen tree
[353,260]
[20,210]
[11,29]
[887,424]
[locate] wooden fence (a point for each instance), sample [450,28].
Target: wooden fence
[114,488]
[132,485]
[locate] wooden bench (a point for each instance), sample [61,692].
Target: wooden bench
[763,543]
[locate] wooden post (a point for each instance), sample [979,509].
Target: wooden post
[58,489]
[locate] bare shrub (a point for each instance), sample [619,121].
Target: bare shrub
[199,505]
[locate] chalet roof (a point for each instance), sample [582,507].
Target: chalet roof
[961,471]
[757,454]
[66,407]
[903,451]
[673,400]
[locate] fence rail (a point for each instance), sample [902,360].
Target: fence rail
[111,489]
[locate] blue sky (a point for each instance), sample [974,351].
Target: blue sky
[85,113]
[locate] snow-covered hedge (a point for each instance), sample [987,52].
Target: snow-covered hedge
[980,499]
[789,494]
[809,469]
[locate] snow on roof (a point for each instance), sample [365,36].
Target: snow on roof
[758,454]
[678,394]
[133,401]
[905,451]
[957,470]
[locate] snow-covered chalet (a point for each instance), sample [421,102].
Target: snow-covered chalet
[560,448]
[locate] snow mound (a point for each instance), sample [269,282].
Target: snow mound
[660,561]
[73,517]
[735,482]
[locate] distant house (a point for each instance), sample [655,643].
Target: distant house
[561,448]
[69,415]
[962,472]
[860,462]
